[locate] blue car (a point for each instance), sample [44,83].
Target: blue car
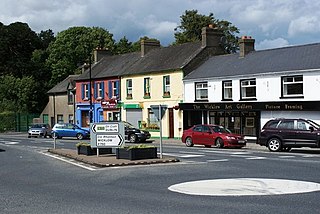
[61,130]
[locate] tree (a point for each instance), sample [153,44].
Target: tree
[123,46]
[192,23]
[73,47]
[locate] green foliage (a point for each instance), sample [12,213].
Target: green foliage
[140,146]
[73,47]
[123,46]
[191,24]
[7,121]
[83,144]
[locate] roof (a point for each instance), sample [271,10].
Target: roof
[62,87]
[260,62]
[156,60]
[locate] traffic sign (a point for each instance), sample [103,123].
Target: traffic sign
[114,127]
[109,140]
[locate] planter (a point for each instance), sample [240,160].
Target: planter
[87,150]
[136,153]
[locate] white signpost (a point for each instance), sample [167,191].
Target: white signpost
[106,135]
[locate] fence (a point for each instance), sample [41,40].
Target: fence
[18,122]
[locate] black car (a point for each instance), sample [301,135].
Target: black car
[283,134]
[134,135]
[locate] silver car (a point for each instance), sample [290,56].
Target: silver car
[39,130]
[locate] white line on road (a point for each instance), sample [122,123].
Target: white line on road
[256,158]
[218,160]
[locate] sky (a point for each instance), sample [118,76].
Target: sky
[272,23]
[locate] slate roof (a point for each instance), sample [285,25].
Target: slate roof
[156,60]
[62,87]
[260,62]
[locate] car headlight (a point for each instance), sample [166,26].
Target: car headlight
[231,138]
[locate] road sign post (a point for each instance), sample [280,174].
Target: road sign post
[159,111]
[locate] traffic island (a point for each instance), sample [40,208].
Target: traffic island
[109,160]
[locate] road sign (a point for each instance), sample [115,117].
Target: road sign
[114,127]
[109,140]
[106,134]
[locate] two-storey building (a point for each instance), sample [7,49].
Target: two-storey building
[242,91]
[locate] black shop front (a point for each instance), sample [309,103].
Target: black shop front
[244,117]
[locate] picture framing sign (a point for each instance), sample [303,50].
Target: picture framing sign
[107,134]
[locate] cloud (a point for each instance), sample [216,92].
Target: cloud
[303,25]
[275,43]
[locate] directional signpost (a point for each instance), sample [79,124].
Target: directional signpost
[106,135]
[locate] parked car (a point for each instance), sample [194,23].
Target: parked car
[60,130]
[212,135]
[133,134]
[282,134]
[39,130]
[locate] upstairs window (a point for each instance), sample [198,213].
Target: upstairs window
[292,86]
[113,91]
[166,86]
[201,90]
[147,93]
[99,90]
[227,90]
[70,97]
[129,89]
[85,91]
[248,89]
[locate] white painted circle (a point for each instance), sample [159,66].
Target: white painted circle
[244,186]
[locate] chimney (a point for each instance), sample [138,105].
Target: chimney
[99,53]
[148,45]
[246,45]
[211,36]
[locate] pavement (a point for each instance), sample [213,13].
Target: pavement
[110,160]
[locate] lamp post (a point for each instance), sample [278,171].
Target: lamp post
[90,92]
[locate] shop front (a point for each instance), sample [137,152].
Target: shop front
[246,118]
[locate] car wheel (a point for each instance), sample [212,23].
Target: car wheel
[79,136]
[274,145]
[189,142]
[29,136]
[219,143]
[132,138]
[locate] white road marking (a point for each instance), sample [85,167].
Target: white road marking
[218,160]
[256,158]
[244,187]
[11,143]
[68,161]
[287,156]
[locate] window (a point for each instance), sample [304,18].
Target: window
[248,89]
[147,87]
[129,88]
[70,97]
[288,124]
[202,91]
[99,90]
[227,90]
[292,86]
[60,118]
[153,122]
[113,89]
[197,129]
[166,86]
[70,119]
[85,92]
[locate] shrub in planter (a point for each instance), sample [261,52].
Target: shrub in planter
[137,152]
[85,149]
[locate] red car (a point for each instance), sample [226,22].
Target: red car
[212,135]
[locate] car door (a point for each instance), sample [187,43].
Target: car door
[206,138]
[69,130]
[197,134]
[306,134]
[287,132]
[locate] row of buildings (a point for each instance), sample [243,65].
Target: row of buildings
[193,83]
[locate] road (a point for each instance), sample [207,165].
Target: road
[35,183]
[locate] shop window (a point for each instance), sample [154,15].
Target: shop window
[153,122]
[129,88]
[147,88]
[248,89]
[201,89]
[227,90]
[292,86]
[166,86]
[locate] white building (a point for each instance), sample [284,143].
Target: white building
[243,91]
